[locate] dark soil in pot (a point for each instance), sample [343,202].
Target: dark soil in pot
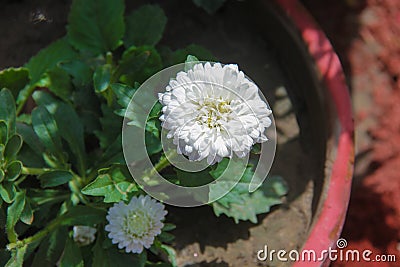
[266,46]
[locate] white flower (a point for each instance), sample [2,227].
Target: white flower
[84,235]
[134,225]
[213,111]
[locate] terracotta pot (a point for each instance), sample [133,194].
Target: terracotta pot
[331,212]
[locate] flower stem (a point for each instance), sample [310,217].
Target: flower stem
[36,237]
[23,101]
[34,171]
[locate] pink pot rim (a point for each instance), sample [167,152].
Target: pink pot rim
[327,227]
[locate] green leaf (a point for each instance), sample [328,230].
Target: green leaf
[83,215]
[30,138]
[194,178]
[55,178]
[13,146]
[47,59]
[13,171]
[46,129]
[27,213]
[190,62]
[112,185]
[2,175]
[138,64]
[80,71]
[96,26]
[124,93]
[5,255]
[41,197]
[211,6]
[180,55]
[50,249]
[109,123]
[14,79]
[3,132]
[71,129]
[69,125]
[72,256]
[239,203]
[59,83]
[171,254]
[13,214]
[17,257]
[100,258]
[166,237]
[168,227]
[145,26]
[7,110]
[102,77]
[7,192]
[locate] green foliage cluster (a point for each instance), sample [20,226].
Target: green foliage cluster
[61,163]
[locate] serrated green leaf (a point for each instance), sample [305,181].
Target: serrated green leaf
[72,256]
[46,129]
[96,26]
[17,257]
[55,178]
[13,214]
[111,185]
[7,110]
[239,203]
[13,145]
[3,132]
[102,78]
[7,192]
[211,6]
[13,170]
[47,59]
[14,79]
[145,26]
[59,83]
[2,175]
[109,122]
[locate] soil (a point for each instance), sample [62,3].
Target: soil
[367,40]
[202,239]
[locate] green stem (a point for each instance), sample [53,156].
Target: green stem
[162,164]
[34,171]
[38,236]
[23,101]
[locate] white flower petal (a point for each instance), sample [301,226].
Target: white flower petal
[214,111]
[134,225]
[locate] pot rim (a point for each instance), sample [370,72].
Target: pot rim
[328,224]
